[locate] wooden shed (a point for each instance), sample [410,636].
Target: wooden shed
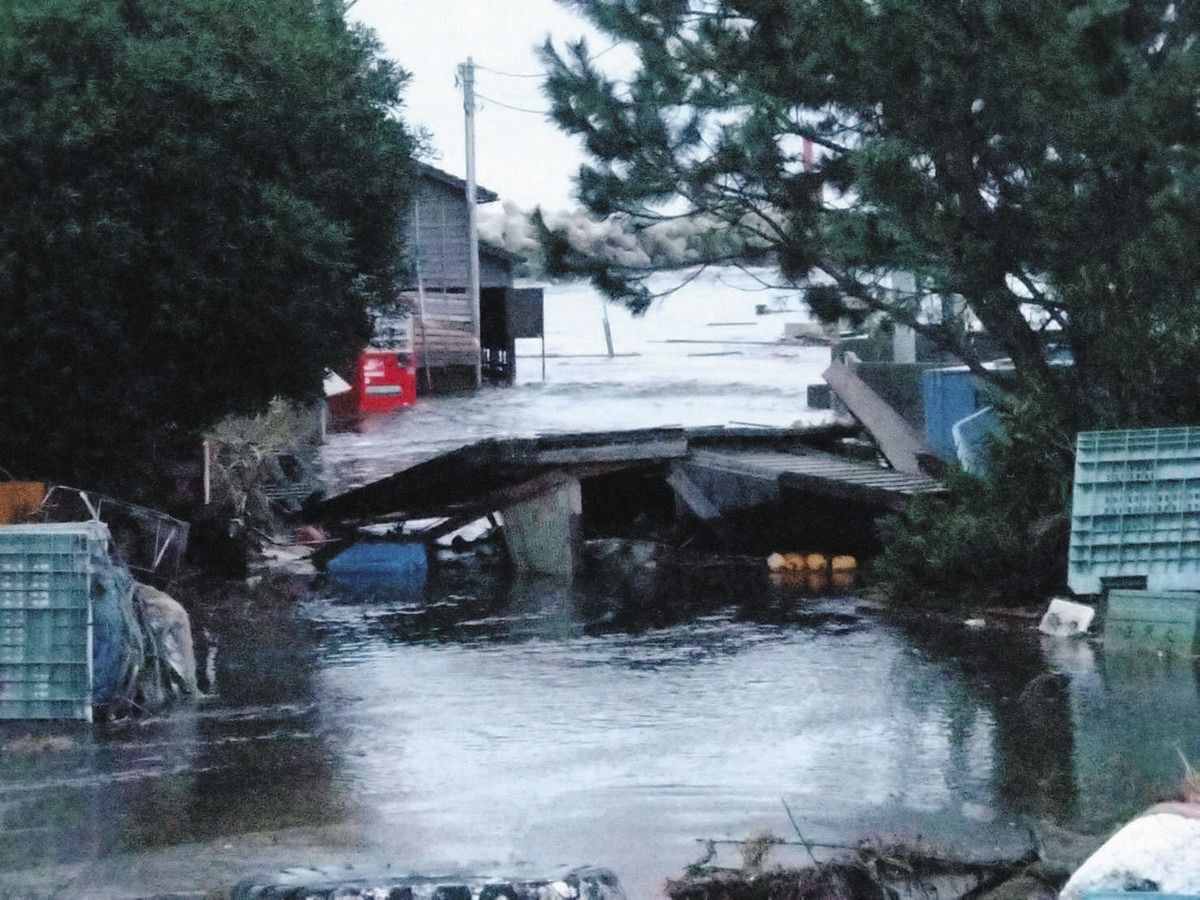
[444,327]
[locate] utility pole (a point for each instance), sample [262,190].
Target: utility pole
[467,73]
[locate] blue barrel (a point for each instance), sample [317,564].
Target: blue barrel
[391,568]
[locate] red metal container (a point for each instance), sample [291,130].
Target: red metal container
[384,380]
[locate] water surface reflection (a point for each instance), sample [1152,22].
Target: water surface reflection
[522,725]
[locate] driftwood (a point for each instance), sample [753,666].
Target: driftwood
[870,869]
[862,877]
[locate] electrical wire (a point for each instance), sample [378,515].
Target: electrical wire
[524,109]
[484,68]
[613,46]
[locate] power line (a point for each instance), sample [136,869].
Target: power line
[524,109]
[510,74]
[612,46]
[484,68]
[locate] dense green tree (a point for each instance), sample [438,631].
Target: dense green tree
[1038,158]
[197,207]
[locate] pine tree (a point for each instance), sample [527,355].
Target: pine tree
[1039,159]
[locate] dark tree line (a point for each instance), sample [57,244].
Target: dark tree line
[197,206]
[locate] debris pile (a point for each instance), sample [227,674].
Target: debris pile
[872,870]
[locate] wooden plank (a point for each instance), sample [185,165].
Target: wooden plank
[753,436]
[434,483]
[897,440]
[840,489]
[475,479]
[657,450]
[449,331]
[691,495]
[815,466]
[636,445]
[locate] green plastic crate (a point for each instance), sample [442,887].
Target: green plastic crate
[1156,620]
[46,574]
[1135,510]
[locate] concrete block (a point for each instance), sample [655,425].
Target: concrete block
[544,533]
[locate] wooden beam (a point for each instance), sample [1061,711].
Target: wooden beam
[866,494]
[475,476]
[640,452]
[897,440]
[691,495]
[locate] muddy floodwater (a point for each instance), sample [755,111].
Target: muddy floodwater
[483,724]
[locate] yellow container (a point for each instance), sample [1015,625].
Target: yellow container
[843,581]
[790,580]
[793,562]
[18,499]
[844,564]
[816,562]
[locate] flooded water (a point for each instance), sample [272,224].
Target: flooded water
[485,724]
[703,356]
[503,726]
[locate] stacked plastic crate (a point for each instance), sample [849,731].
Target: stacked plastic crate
[1135,516]
[1135,532]
[46,575]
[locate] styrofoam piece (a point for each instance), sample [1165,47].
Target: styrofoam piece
[1157,849]
[1065,618]
[335,384]
[972,439]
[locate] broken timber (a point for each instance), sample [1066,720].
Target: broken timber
[897,440]
[481,476]
[535,483]
[823,474]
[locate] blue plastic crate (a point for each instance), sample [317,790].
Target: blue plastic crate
[1135,512]
[397,569]
[948,396]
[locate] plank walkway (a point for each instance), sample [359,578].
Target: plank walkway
[897,440]
[820,473]
[747,465]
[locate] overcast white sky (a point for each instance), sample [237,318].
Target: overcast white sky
[522,157]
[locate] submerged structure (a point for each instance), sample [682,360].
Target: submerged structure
[449,340]
[741,489]
[79,637]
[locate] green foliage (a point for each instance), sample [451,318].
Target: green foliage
[1038,158]
[995,540]
[197,205]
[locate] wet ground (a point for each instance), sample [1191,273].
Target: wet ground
[527,727]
